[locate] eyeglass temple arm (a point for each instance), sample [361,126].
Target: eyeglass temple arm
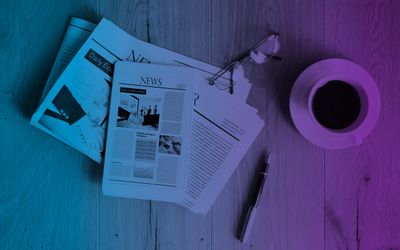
[222,71]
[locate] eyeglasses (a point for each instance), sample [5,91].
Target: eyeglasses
[263,52]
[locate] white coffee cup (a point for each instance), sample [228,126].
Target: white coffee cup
[328,76]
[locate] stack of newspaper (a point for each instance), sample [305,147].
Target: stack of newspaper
[148,114]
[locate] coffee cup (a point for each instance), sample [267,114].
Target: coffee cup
[335,103]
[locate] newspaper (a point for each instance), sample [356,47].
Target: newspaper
[160,146]
[148,132]
[222,127]
[75,109]
[223,130]
[49,117]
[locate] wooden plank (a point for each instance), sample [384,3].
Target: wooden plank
[48,195]
[51,196]
[229,39]
[291,212]
[362,183]
[184,27]
[126,223]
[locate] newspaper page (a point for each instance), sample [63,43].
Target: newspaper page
[222,132]
[148,132]
[75,109]
[77,32]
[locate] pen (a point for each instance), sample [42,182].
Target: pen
[251,212]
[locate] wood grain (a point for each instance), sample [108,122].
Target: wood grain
[362,183]
[47,188]
[292,207]
[191,20]
[51,195]
[126,223]
[233,33]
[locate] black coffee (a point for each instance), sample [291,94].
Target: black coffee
[336,105]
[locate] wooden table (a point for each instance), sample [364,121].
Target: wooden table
[50,195]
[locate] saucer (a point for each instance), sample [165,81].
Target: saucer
[322,72]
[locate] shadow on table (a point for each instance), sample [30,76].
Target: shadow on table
[278,77]
[95,170]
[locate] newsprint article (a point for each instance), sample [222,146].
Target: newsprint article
[148,134]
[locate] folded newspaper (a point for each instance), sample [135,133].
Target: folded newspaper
[149,131]
[162,144]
